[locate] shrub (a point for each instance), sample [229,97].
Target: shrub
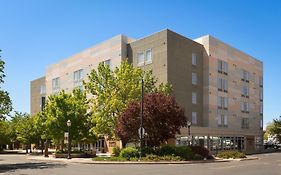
[116,151]
[197,157]
[128,153]
[148,150]
[109,159]
[166,150]
[184,152]
[202,151]
[231,154]
[152,157]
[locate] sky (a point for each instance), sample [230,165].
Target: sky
[35,34]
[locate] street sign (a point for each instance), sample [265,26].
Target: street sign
[66,137]
[141,131]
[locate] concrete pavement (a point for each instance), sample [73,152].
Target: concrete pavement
[269,164]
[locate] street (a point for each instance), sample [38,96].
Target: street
[269,164]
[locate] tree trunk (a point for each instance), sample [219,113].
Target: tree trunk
[46,148]
[26,149]
[30,148]
[42,147]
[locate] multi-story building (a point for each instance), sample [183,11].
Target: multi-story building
[219,87]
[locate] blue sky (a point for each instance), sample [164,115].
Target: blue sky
[34,34]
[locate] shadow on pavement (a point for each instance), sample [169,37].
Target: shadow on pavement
[22,166]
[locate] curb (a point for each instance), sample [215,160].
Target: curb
[126,162]
[89,161]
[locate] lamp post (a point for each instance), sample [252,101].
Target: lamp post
[141,118]
[188,126]
[68,139]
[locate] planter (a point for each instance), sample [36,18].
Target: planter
[74,155]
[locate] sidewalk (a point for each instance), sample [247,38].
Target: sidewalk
[90,161]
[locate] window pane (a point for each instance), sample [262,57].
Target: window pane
[225,120]
[220,102]
[194,98]
[219,119]
[194,59]
[219,65]
[225,102]
[194,117]
[140,58]
[148,58]
[194,78]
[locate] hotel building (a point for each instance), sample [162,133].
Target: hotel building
[220,87]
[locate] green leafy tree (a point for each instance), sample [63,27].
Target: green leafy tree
[61,108]
[26,132]
[275,128]
[5,101]
[112,90]
[4,135]
[162,119]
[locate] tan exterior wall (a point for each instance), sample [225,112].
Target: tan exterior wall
[158,43]
[237,61]
[180,69]
[36,95]
[113,49]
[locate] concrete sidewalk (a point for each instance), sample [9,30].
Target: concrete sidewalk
[90,161]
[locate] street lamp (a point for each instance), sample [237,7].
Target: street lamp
[188,126]
[68,139]
[141,118]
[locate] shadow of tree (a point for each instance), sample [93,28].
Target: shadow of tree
[21,166]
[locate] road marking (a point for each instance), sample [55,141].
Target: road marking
[232,166]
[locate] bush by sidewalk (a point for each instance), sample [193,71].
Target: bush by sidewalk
[231,154]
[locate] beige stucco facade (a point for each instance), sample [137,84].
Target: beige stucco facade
[37,95]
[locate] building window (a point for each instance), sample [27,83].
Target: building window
[42,89]
[140,57]
[245,75]
[222,102]
[261,95]
[222,67]
[107,63]
[245,91]
[261,81]
[194,98]
[56,84]
[222,120]
[194,59]
[43,102]
[261,109]
[78,75]
[144,57]
[245,107]
[222,85]
[194,78]
[261,124]
[194,118]
[245,123]
[148,56]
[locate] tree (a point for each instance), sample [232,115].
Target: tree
[275,129]
[26,132]
[112,90]
[61,108]
[162,119]
[4,135]
[5,101]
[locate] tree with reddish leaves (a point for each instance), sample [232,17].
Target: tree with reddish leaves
[162,119]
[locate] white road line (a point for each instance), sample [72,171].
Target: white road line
[232,166]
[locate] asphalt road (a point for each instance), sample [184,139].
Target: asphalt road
[268,164]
